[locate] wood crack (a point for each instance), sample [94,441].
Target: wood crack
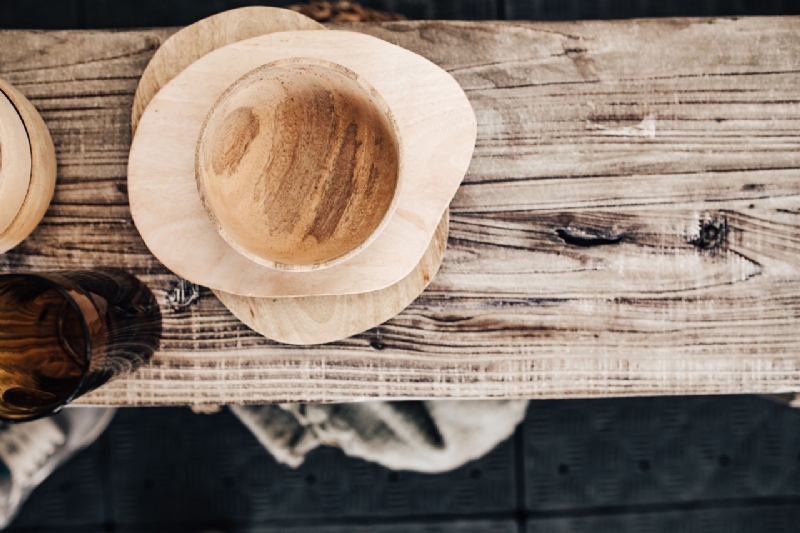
[584,240]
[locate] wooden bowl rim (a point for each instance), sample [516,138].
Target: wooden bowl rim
[20,180]
[399,175]
[43,170]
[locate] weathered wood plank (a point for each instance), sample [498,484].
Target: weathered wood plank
[630,223]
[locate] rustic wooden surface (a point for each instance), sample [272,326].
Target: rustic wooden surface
[629,224]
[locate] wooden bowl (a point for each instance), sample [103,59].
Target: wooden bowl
[15,162]
[436,125]
[309,319]
[27,167]
[298,164]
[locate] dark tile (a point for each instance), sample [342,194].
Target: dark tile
[171,466]
[625,9]
[393,526]
[553,9]
[412,9]
[66,14]
[790,7]
[174,467]
[152,13]
[760,519]
[73,497]
[40,14]
[465,9]
[458,526]
[595,453]
[762,7]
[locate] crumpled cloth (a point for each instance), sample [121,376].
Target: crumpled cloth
[30,451]
[423,436]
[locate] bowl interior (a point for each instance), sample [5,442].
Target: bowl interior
[298,164]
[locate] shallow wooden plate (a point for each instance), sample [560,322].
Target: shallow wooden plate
[437,128]
[304,320]
[320,319]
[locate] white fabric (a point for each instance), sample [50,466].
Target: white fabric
[424,436]
[32,450]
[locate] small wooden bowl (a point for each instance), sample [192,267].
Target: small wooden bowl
[27,167]
[298,164]
[15,162]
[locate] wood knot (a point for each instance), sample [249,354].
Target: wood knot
[585,240]
[712,235]
[151,43]
[376,343]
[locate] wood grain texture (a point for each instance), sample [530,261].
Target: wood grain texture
[42,163]
[298,165]
[629,224]
[321,319]
[433,117]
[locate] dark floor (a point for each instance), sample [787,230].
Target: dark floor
[66,14]
[652,465]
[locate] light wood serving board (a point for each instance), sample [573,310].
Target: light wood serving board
[436,127]
[582,259]
[304,320]
[320,319]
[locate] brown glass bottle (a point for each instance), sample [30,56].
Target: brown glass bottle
[63,334]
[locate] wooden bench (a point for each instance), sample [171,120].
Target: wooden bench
[630,224]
